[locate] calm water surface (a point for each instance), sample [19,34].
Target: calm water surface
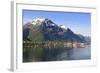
[67,54]
[57,54]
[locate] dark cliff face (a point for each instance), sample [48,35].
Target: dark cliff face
[48,30]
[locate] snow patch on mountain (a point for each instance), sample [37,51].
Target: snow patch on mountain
[38,21]
[63,27]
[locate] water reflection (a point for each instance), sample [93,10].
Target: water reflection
[56,54]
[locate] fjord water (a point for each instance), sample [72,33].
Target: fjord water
[57,54]
[66,54]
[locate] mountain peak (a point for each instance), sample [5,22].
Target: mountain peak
[69,30]
[37,21]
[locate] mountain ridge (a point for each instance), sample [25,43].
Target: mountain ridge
[48,30]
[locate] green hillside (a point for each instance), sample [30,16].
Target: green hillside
[36,35]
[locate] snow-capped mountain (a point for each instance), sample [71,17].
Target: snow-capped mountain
[40,21]
[45,29]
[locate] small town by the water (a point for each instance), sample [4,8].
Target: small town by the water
[54,44]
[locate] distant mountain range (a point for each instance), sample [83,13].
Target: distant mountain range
[43,29]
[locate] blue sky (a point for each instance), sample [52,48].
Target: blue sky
[80,23]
